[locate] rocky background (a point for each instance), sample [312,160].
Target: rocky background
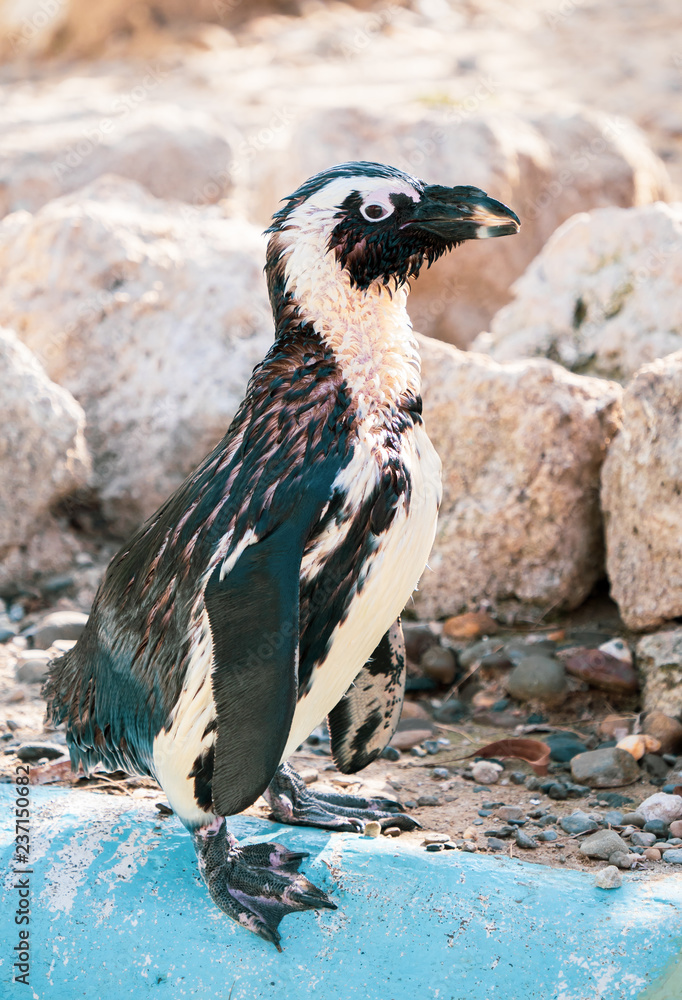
[143,150]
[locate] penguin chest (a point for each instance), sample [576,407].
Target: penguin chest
[383,578]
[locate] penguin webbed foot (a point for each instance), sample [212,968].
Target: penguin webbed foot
[257,884]
[293,802]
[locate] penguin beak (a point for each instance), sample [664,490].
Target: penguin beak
[462,213]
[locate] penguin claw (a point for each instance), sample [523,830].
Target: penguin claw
[293,802]
[258,884]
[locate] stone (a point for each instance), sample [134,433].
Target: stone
[639,745]
[656,768]
[57,625]
[372,829]
[659,660]
[538,678]
[406,739]
[601,296]
[509,813]
[664,728]
[652,854]
[633,819]
[390,753]
[657,826]
[486,772]
[641,839]
[613,818]
[642,473]
[470,625]
[523,841]
[31,667]
[673,857]
[522,446]
[617,648]
[43,460]
[547,836]
[520,159]
[418,638]
[440,774]
[439,664]
[661,806]
[578,822]
[428,800]
[608,878]
[450,711]
[615,727]
[563,746]
[478,651]
[495,844]
[603,844]
[676,828]
[621,859]
[601,670]
[435,838]
[605,768]
[29,753]
[156,338]
[557,790]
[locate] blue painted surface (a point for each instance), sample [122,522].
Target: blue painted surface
[117,910]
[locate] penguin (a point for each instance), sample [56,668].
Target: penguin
[265,594]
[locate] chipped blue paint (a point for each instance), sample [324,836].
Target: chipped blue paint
[117,910]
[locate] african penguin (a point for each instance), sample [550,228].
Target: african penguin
[266,593]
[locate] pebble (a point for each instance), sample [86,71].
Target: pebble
[470,833]
[656,767]
[517,650]
[676,828]
[499,845]
[435,838]
[390,753]
[57,625]
[510,812]
[439,664]
[417,752]
[548,820]
[6,633]
[405,739]
[30,752]
[470,625]
[621,859]
[633,819]
[372,829]
[564,746]
[578,822]
[603,844]
[673,857]
[524,841]
[479,650]
[450,711]
[557,791]
[652,854]
[503,832]
[601,670]
[418,638]
[486,772]
[657,826]
[440,773]
[605,768]
[485,813]
[639,745]
[309,775]
[608,878]
[392,831]
[640,839]
[517,777]
[32,666]
[428,800]
[613,817]
[434,847]
[660,805]
[538,678]
[666,730]
[618,648]
[547,836]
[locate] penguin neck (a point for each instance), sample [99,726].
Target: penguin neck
[368,330]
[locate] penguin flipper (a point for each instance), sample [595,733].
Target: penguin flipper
[365,719]
[254,618]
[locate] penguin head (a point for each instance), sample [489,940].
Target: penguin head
[379,224]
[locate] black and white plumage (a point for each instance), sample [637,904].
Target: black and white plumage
[265,594]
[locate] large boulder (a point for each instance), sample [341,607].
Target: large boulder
[43,458]
[602,297]
[659,660]
[546,167]
[642,498]
[522,446]
[53,148]
[153,319]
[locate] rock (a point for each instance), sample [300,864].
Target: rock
[518,159]
[601,670]
[428,800]
[495,844]
[510,813]
[657,826]
[57,625]
[418,638]
[43,459]
[547,836]
[652,854]
[673,857]
[470,625]
[578,822]
[450,711]
[157,336]
[435,838]
[641,839]
[32,666]
[666,730]
[623,860]
[440,774]
[641,474]
[486,773]
[676,828]
[659,659]
[29,753]
[633,819]
[615,727]
[538,678]
[613,818]
[563,746]
[479,651]
[662,806]
[600,297]
[372,829]
[605,768]
[439,664]
[608,878]
[617,648]
[173,151]
[523,841]
[656,767]
[405,739]
[521,445]
[603,844]
[639,745]
[390,753]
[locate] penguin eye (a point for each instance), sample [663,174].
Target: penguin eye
[375,211]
